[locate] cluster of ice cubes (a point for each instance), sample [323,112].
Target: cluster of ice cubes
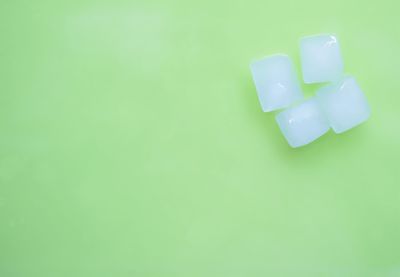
[340,104]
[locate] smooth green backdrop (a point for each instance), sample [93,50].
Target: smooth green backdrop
[132,143]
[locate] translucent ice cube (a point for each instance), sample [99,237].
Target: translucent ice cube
[344,104]
[321,60]
[276,82]
[303,123]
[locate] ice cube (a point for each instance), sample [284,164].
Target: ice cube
[321,60]
[276,82]
[344,104]
[303,123]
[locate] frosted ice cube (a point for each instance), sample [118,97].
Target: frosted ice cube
[344,104]
[321,60]
[303,123]
[276,82]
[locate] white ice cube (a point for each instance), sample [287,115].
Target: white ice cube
[303,123]
[344,104]
[321,60]
[276,82]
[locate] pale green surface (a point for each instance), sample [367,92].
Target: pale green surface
[132,143]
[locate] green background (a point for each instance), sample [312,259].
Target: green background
[132,142]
